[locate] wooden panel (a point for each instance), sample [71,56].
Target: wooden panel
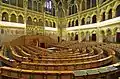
[51,76]
[65,76]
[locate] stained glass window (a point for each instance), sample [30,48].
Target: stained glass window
[48,5]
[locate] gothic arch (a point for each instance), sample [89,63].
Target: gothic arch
[20,19]
[5,16]
[13,18]
[29,20]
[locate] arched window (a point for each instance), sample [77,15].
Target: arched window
[60,10]
[35,6]
[88,4]
[69,24]
[46,23]
[39,7]
[35,21]
[40,22]
[103,16]
[94,19]
[110,14]
[118,11]
[5,1]
[72,7]
[13,2]
[93,3]
[30,4]
[20,3]
[29,21]
[20,19]
[83,5]
[88,20]
[70,12]
[49,7]
[54,25]
[53,11]
[72,23]
[50,24]
[5,16]
[76,23]
[83,21]
[13,18]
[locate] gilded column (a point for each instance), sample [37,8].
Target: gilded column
[79,20]
[25,13]
[98,35]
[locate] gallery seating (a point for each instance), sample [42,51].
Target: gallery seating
[57,62]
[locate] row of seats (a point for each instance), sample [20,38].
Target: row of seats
[39,63]
[62,64]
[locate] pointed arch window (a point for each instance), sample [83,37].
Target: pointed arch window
[49,7]
[13,18]
[83,5]
[76,23]
[110,14]
[83,21]
[13,2]
[30,4]
[72,7]
[69,24]
[5,16]
[72,23]
[60,10]
[103,16]
[20,3]
[35,6]
[118,11]
[20,19]
[94,19]
[54,25]
[88,4]
[93,3]
[39,7]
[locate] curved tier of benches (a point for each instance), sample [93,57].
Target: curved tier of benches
[26,60]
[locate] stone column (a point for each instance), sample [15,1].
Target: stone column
[79,36]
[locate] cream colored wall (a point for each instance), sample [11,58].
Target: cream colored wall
[98,12]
